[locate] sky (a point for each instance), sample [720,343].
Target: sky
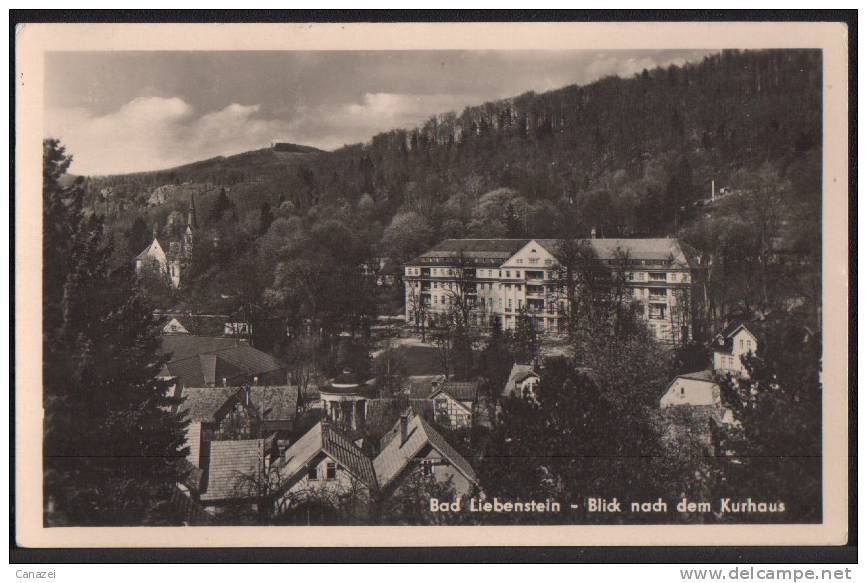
[120,112]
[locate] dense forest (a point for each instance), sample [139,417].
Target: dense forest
[628,157]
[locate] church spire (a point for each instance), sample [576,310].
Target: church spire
[191,212]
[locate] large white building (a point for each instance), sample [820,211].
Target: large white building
[502,278]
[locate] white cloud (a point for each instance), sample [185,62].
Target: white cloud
[153,132]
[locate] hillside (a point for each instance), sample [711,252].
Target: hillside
[631,157]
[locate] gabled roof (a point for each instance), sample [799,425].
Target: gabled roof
[274,403]
[328,440]
[182,346]
[155,245]
[395,456]
[202,403]
[232,468]
[464,391]
[421,386]
[723,342]
[519,373]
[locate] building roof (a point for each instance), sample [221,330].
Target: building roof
[421,386]
[701,375]
[274,403]
[669,251]
[724,341]
[519,373]
[178,346]
[333,443]
[203,403]
[460,390]
[395,456]
[215,361]
[232,467]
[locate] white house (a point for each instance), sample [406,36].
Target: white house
[454,403]
[522,382]
[730,345]
[694,389]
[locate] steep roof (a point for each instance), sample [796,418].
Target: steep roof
[232,465]
[519,373]
[203,403]
[325,438]
[395,456]
[183,345]
[460,390]
[724,341]
[276,403]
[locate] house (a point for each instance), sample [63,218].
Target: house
[200,361]
[214,325]
[324,462]
[455,403]
[414,447]
[232,413]
[693,389]
[522,382]
[507,278]
[729,346]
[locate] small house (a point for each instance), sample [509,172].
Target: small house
[414,447]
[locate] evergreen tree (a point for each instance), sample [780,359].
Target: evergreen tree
[138,237]
[266,217]
[221,206]
[112,450]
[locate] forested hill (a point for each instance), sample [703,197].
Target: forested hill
[630,157]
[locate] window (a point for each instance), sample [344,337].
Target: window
[657,294]
[436,299]
[508,274]
[749,345]
[657,277]
[657,312]
[426,468]
[331,471]
[549,262]
[313,473]
[534,260]
[741,343]
[436,285]
[445,299]
[519,261]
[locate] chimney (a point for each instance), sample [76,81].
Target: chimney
[404,428]
[593,233]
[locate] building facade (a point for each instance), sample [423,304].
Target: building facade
[503,279]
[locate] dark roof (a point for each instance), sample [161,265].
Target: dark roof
[723,341]
[275,403]
[381,414]
[395,456]
[336,445]
[178,346]
[462,391]
[492,250]
[231,467]
[203,403]
[217,360]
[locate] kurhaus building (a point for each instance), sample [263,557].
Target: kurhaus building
[502,278]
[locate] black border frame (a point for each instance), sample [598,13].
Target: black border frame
[846,554]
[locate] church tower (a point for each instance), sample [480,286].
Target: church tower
[192,225]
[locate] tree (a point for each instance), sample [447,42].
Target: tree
[138,237]
[572,441]
[221,207]
[496,360]
[773,448]
[113,450]
[266,217]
